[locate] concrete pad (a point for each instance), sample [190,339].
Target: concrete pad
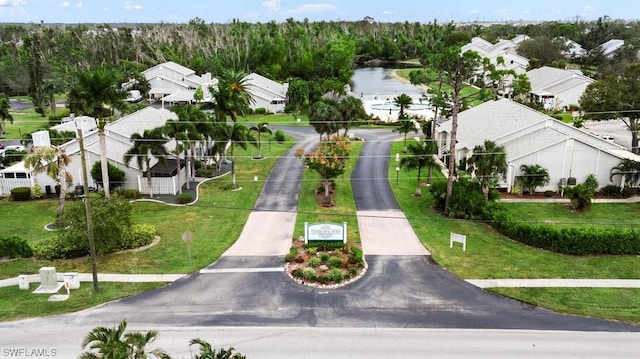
[388,233]
[48,289]
[265,234]
[58,298]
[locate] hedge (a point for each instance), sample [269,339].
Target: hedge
[14,246]
[21,193]
[575,241]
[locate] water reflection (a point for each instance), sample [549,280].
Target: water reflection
[378,82]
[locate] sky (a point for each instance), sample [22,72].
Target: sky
[223,11]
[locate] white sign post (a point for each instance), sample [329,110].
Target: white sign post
[325,232]
[188,237]
[460,238]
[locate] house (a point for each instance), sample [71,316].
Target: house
[557,88]
[117,134]
[267,94]
[531,137]
[610,47]
[572,50]
[168,78]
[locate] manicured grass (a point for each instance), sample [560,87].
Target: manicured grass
[345,208]
[24,121]
[619,304]
[36,305]
[216,221]
[281,119]
[491,255]
[560,214]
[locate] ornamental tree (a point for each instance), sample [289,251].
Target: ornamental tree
[328,160]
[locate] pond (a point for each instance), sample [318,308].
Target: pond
[378,82]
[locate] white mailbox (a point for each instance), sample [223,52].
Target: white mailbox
[73,280]
[23,282]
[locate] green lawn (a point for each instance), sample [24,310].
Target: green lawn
[345,208]
[24,122]
[491,255]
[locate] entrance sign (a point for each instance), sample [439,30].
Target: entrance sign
[325,232]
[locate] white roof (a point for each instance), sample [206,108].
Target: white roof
[551,80]
[137,122]
[611,46]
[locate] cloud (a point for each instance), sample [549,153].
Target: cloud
[79,4]
[129,6]
[588,9]
[10,3]
[64,4]
[271,5]
[311,8]
[474,11]
[389,12]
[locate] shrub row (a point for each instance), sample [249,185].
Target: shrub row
[21,193]
[14,246]
[575,241]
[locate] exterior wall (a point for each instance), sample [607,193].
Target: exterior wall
[569,159]
[570,96]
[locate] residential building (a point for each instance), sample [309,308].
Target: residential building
[557,88]
[531,137]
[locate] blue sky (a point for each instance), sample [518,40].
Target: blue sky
[222,11]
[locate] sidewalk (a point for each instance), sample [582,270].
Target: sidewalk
[481,283]
[102,277]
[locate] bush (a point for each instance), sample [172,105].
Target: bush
[549,193]
[279,136]
[116,175]
[309,274]
[14,246]
[335,262]
[353,272]
[312,250]
[336,275]
[185,198]
[614,191]
[326,246]
[207,173]
[467,200]
[140,235]
[21,193]
[314,262]
[130,194]
[574,241]
[580,196]
[357,254]
[260,111]
[324,257]
[58,248]
[36,191]
[289,257]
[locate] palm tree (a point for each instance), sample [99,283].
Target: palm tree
[146,146]
[420,155]
[403,101]
[96,94]
[534,176]
[54,161]
[488,161]
[351,110]
[404,127]
[114,343]
[629,170]
[324,117]
[236,134]
[260,129]
[4,112]
[232,95]
[208,352]
[185,132]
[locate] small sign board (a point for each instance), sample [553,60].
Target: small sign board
[325,232]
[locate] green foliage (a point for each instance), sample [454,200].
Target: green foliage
[309,274]
[533,176]
[260,111]
[21,194]
[336,275]
[289,257]
[36,191]
[140,235]
[116,175]
[208,352]
[312,250]
[614,191]
[325,246]
[130,193]
[185,198]
[467,200]
[279,135]
[580,196]
[324,257]
[575,240]
[14,246]
[335,262]
[356,254]
[314,262]
[111,231]
[205,172]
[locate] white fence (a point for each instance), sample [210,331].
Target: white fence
[7,184]
[162,185]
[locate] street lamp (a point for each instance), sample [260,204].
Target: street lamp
[397,172]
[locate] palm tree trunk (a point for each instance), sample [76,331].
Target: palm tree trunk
[149,180]
[104,164]
[418,185]
[63,193]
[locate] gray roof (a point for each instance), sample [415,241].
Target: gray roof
[552,80]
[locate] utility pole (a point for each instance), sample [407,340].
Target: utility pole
[87,207]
